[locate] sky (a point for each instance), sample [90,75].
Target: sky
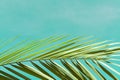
[36,18]
[99,18]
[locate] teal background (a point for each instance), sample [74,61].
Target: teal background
[99,18]
[36,18]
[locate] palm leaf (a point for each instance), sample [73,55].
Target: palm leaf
[58,58]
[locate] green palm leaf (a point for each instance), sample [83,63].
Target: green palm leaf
[58,57]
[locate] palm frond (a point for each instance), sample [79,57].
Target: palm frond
[58,57]
[74,69]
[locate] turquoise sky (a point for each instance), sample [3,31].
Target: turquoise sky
[100,18]
[36,18]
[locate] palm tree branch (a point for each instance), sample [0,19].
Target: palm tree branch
[69,53]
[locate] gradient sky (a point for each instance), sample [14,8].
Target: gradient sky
[99,18]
